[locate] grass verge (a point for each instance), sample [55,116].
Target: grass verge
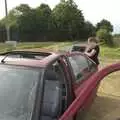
[31,45]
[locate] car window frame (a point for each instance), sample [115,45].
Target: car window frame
[62,66]
[77,82]
[91,68]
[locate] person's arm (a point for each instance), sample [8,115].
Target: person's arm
[92,53]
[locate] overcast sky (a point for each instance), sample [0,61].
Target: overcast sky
[93,10]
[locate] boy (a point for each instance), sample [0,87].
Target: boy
[93,49]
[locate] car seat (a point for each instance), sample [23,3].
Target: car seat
[52,100]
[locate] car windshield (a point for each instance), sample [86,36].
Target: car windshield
[17,92]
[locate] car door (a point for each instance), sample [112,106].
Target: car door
[83,67]
[93,67]
[80,67]
[92,83]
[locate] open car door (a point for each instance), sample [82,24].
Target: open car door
[94,81]
[82,68]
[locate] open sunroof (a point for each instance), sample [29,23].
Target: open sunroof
[26,54]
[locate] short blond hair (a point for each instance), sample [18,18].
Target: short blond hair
[92,39]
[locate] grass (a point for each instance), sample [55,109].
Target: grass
[31,45]
[117,41]
[111,53]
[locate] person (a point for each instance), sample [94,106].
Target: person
[93,49]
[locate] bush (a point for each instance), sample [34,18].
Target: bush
[105,36]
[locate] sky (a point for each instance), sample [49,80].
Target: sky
[93,10]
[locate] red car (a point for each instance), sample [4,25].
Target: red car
[37,85]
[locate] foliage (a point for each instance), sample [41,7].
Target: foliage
[64,22]
[116,35]
[43,16]
[105,36]
[107,52]
[89,29]
[104,24]
[68,19]
[104,29]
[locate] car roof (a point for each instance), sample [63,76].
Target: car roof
[44,57]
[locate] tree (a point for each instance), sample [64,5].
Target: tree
[22,9]
[104,29]
[11,19]
[62,1]
[2,32]
[25,16]
[43,17]
[71,3]
[11,22]
[31,23]
[44,21]
[89,29]
[15,13]
[105,36]
[64,22]
[68,19]
[104,24]
[19,19]
[117,35]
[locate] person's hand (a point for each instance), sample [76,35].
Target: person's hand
[86,53]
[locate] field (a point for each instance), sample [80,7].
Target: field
[107,104]
[27,45]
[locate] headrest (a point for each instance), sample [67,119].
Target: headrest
[51,75]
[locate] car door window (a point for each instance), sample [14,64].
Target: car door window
[81,61]
[80,65]
[92,65]
[74,66]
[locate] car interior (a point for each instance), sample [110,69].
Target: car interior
[54,101]
[52,98]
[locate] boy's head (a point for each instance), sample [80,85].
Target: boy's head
[92,40]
